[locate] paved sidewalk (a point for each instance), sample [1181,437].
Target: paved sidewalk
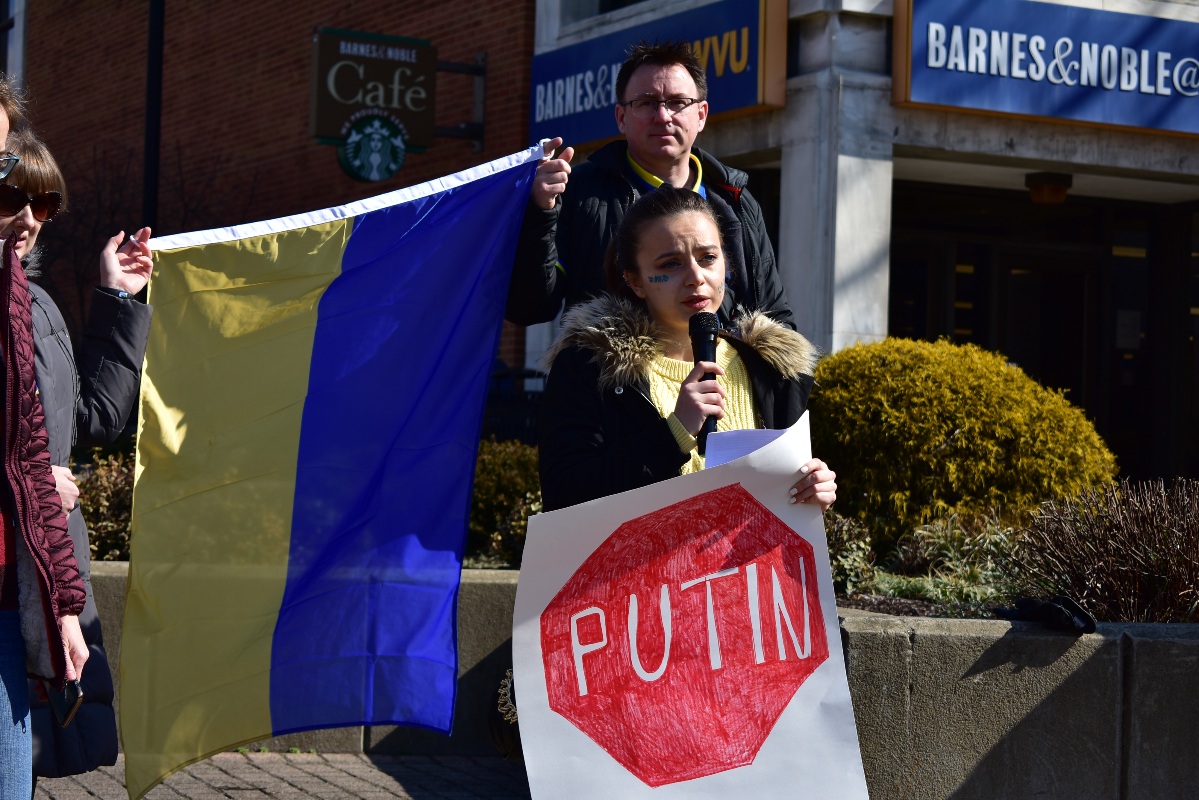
[297,776]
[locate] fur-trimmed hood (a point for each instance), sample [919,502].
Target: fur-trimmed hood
[625,341]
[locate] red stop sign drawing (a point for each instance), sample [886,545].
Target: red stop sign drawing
[678,643]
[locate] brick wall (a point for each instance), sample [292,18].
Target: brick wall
[235,142]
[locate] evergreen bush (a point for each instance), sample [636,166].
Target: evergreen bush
[919,431]
[507,491]
[849,553]
[106,499]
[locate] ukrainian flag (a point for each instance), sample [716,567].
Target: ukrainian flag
[310,412]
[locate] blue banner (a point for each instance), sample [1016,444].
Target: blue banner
[574,88]
[1046,60]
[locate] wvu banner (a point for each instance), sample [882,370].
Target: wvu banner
[311,405]
[1047,60]
[741,44]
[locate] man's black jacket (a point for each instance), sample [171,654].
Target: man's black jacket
[560,254]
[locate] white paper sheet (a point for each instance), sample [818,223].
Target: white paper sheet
[810,749]
[725,446]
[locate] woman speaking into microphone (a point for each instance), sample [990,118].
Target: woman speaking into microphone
[625,401]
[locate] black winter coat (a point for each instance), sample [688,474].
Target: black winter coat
[560,252]
[89,405]
[600,433]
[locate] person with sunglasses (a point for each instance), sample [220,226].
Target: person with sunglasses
[89,404]
[41,591]
[661,108]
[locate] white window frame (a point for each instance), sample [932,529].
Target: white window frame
[551,33]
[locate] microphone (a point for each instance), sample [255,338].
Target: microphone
[702,328]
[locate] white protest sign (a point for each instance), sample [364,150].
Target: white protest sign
[681,641]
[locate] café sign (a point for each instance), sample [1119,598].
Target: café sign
[372,96]
[1046,60]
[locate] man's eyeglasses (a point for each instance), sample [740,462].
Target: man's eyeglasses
[7,162]
[647,107]
[13,200]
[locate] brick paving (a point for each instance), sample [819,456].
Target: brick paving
[298,776]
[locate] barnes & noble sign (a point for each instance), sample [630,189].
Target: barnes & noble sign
[1045,60]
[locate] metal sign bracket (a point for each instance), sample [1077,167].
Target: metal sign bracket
[472,130]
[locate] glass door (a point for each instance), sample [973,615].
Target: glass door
[1046,323]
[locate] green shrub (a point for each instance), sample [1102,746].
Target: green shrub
[849,553]
[919,431]
[106,497]
[982,542]
[1126,552]
[508,541]
[507,491]
[953,562]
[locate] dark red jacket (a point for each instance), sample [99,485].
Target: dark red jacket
[47,574]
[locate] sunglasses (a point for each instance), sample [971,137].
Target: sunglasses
[13,200]
[7,162]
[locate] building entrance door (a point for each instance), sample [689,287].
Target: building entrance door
[1088,297]
[1046,317]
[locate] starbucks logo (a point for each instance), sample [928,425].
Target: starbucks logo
[373,149]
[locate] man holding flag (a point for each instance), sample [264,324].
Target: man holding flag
[662,106]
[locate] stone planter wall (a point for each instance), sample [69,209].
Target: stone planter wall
[945,708]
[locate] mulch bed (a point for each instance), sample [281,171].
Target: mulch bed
[908,607]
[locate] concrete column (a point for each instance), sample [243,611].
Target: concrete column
[835,226]
[807,217]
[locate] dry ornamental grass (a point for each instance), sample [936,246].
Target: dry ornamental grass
[1126,553]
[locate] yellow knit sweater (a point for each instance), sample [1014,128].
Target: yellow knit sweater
[740,411]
